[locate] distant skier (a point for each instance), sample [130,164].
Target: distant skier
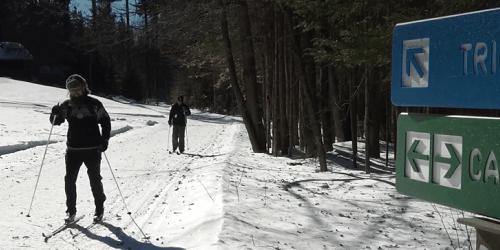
[85,143]
[178,118]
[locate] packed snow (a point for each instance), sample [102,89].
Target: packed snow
[218,195]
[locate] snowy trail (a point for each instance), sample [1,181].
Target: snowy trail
[176,199]
[149,181]
[218,195]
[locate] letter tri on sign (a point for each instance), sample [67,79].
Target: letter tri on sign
[449,62]
[451,160]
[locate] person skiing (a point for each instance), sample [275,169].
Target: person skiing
[178,118]
[85,143]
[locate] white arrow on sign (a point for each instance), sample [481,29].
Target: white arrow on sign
[415,68]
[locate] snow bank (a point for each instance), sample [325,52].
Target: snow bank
[9,149]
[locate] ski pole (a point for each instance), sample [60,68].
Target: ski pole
[41,166]
[168,138]
[187,136]
[123,199]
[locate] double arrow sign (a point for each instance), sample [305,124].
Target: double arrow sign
[454,161]
[450,160]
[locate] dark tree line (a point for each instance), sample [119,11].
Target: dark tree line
[302,73]
[323,70]
[115,56]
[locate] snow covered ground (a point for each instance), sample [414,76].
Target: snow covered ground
[219,195]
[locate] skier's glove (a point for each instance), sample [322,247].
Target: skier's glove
[169,123]
[186,110]
[56,109]
[56,116]
[104,145]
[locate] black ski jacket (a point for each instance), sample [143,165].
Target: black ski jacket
[83,115]
[178,114]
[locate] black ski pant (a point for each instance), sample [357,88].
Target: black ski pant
[74,160]
[178,138]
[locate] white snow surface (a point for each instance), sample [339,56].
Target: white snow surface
[219,195]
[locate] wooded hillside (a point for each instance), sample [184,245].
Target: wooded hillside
[302,73]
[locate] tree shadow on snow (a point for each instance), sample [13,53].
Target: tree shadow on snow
[124,241]
[377,164]
[315,211]
[354,178]
[216,120]
[202,156]
[344,159]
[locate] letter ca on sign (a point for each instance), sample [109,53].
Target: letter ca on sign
[437,158]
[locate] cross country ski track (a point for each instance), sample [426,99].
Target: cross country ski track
[157,196]
[149,181]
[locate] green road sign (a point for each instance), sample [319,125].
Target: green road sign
[450,160]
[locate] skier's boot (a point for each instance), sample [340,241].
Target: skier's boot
[98,218]
[70,217]
[99,212]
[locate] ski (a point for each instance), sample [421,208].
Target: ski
[62,228]
[94,222]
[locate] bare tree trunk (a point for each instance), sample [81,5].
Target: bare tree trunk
[302,122]
[388,116]
[292,124]
[269,72]
[367,121]
[334,104]
[127,14]
[296,109]
[276,82]
[316,129]
[267,93]
[374,120]
[250,75]
[309,71]
[326,122]
[287,92]
[310,112]
[234,81]
[282,89]
[354,121]
[269,88]
[275,112]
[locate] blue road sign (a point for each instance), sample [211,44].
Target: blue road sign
[450,61]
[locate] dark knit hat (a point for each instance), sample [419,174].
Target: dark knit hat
[76,81]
